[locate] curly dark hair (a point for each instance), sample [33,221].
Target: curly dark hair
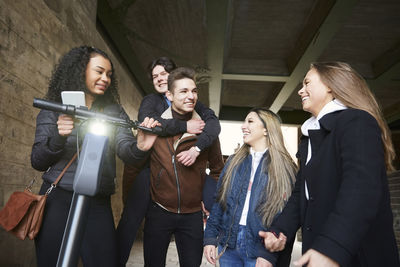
[70,75]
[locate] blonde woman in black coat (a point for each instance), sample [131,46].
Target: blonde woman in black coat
[341,197]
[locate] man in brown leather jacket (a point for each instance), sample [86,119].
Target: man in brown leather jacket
[176,188]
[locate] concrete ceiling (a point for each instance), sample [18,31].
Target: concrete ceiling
[256,52]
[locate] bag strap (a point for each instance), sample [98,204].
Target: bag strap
[53,185]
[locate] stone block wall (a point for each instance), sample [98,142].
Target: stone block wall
[394,187]
[34,34]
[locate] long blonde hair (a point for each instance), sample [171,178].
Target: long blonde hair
[352,90]
[279,165]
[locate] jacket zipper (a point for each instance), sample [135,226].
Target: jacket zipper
[177,184]
[233,218]
[178,187]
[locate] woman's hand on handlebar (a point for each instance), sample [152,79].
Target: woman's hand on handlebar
[65,124]
[146,140]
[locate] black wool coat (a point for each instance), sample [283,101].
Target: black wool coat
[347,216]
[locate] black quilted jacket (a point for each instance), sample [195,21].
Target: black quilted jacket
[51,152]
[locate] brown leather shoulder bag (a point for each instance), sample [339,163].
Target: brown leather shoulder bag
[23,213]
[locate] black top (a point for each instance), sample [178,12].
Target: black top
[154,105]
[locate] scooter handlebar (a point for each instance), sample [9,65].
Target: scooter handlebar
[85,113]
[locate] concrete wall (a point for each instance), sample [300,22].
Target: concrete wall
[394,187]
[33,36]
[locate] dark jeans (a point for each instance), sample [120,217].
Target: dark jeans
[160,225]
[133,214]
[99,242]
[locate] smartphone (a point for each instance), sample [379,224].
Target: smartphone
[76,98]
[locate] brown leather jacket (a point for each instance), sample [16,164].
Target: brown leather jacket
[174,186]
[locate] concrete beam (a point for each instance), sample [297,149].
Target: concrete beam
[116,32]
[120,12]
[386,68]
[393,118]
[217,15]
[386,60]
[166,52]
[392,113]
[257,78]
[335,19]
[318,14]
[231,113]
[393,73]
[391,76]
[123,7]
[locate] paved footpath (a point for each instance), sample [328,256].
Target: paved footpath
[136,257]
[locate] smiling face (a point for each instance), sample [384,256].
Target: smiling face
[160,79]
[254,133]
[98,75]
[183,95]
[314,94]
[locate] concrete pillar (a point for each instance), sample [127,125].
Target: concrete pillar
[33,36]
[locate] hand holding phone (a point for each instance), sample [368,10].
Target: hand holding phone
[76,98]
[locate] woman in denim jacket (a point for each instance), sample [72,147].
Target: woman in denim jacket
[253,188]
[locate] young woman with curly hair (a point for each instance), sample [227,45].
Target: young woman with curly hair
[90,70]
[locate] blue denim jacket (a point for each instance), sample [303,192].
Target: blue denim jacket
[223,225]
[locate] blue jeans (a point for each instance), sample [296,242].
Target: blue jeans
[237,257]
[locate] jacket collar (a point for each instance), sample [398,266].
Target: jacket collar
[328,122]
[167,114]
[316,137]
[314,123]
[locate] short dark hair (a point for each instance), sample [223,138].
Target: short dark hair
[166,62]
[179,74]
